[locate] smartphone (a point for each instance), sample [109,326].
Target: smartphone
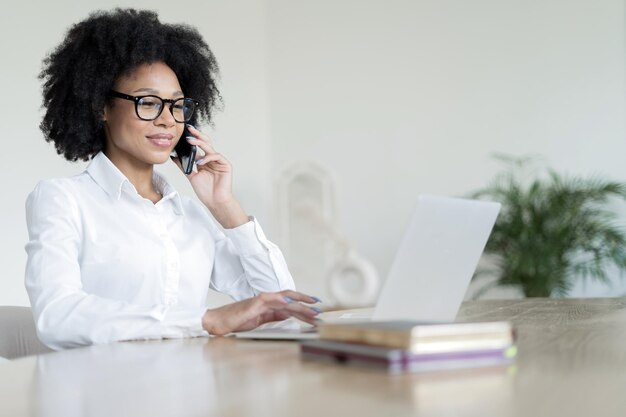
[186,152]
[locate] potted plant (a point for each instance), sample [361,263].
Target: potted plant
[552,229]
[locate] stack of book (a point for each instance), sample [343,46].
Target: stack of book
[404,346]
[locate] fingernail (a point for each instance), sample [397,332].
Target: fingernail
[199,161]
[190,138]
[191,126]
[317,300]
[289,300]
[317,310]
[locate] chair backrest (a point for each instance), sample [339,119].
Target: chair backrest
[18,336]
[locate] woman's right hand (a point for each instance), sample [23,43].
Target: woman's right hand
[264,308]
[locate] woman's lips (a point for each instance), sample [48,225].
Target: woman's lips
[161,140]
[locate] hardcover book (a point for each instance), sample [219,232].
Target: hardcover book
[422,337]
[398,360]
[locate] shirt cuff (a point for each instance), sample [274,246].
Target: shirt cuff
[248,238]
[183,323]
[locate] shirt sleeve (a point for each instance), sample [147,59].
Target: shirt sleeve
[65,315]
[247,263]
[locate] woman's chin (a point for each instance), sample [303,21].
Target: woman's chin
[161,161]
[158,158]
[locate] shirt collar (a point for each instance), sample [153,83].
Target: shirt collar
[167,191]
[112,181]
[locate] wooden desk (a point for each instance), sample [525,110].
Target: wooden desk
[572,362]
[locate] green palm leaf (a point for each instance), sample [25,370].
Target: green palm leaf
[552,229]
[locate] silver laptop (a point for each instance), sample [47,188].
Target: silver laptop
[431,270]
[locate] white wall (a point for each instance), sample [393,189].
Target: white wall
[395,97]
[399,97]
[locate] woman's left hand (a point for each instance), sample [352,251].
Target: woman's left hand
[212,182]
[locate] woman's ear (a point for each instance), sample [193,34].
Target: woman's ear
[102,111]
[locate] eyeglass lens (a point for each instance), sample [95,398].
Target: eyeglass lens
[150,107]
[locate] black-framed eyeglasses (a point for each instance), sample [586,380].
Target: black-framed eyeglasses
[150,107]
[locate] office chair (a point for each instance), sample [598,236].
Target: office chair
[18,336]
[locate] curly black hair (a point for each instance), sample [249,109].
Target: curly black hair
[78,75]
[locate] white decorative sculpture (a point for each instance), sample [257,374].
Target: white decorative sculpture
[321,260]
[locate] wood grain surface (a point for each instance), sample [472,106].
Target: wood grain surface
[571,362]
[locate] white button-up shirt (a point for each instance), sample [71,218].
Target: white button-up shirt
[105,264]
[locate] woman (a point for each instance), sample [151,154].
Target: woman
[115,253]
